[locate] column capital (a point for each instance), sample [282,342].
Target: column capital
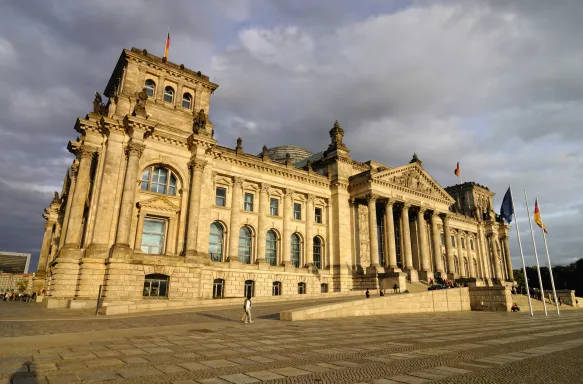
[264,187]
[310,197]
[372,197]
[352,202]
[74,170]
[444,216]
[406,205]
[87,151]
[135,149]
[421,210]
[197,164]
[389,201]
[237,181]
[288,192]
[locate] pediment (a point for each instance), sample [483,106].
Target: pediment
[414,178]
[159,203]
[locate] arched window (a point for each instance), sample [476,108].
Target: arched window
[444,261]
[245,245]
[271,248]
[317,252]
[475,267]
[169,94]
[150,87]
[471,244]
[156,285]
[218,288]
[466,267]
[295,250]
[456,265]
[302,288]
[452,240]
[159,179]
[276,288]
[216,242]
[186,100]
[249,288]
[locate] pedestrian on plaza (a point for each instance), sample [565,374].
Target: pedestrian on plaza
[560,301]
[515,308]
[431,281]
[247,307]
[395,288]
[367,293]
[382,293]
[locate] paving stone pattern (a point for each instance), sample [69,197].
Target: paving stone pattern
[472,347]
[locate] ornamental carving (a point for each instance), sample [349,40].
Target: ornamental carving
[237,181]
[74,170]
[199,122]
[264,188]
[140,107]
[197,164]
[135,149]
[363,235]
[288,192]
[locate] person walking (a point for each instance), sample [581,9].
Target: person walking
[395,288]
[247,307]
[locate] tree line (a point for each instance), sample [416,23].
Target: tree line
[566,277]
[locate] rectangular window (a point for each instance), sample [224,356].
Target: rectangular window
[297,211]
[318,215]
[463,243]
[153,236]
[249,202]
[471,244]
[442,239]
[221,196]
[274,207]
[276,288]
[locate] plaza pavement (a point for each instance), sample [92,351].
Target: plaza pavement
[213,347]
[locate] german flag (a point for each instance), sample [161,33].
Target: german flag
[167,46]
[457,170]
[537,218]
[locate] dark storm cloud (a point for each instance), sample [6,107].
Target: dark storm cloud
[494,85]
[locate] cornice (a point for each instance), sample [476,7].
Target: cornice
[274,168]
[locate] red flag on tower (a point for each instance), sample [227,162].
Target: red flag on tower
[167,46]
[457,170]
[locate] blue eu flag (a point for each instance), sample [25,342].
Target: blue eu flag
[506,210]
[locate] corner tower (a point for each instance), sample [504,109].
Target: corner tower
[175,95]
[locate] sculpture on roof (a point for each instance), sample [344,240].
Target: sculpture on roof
[140,107]
[199,122]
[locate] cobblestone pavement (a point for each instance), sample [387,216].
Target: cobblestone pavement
[465,347]
[28,319]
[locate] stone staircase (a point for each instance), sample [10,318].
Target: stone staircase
[537,305]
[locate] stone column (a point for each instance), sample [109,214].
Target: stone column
[85,154]
[426,272]
[286,238]
[460,255]
[262,230]
[508,260]
[44,250]
[372,233]
[390,240]
[197,167]
[310,232]
[407,243]
[483,252]
[67,213]
[134,152]
[497,267]
[448,247]
[436,244]
[235,221]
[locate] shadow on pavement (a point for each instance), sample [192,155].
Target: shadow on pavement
[22,376]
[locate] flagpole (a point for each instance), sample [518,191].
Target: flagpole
[540,280]
[549,262]
[521,253]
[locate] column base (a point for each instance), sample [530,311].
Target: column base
[439,275]
[452,276]
[97,251]
[425,275]
[374,269]
[121,251]
[413,275]
[393,269]
[194,257]
[70,251]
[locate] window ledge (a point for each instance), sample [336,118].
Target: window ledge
[250,212]
[221,207]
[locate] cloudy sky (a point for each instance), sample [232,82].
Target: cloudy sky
[495,85]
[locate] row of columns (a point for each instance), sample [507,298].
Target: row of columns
[423,249]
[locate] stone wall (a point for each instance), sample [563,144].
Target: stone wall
[446,300]
[568,296]
[9,281]
[497,298]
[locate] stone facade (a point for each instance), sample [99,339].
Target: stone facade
[152,206]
